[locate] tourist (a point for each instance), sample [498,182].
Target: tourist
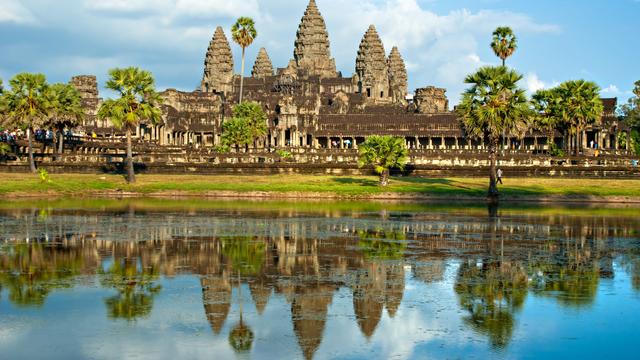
[499,175]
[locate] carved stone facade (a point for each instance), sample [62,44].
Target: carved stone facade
[431,100]
[218,65]
[310,105]
[87,85]
[372,72]
[263,67]
[312,54]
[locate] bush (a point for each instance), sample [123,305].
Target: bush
[284,154]
[556,151]
[44,176]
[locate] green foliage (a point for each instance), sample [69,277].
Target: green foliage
[284,154]
[383,152]
[245,254]
[244,32]
[236,132]
[26,105]
[631,110]
[504,43]
[241,338]
[66,106]
[548,112]
[138,100]
[44,176]
[633,138]
[248,124]
[581,104]
[494,105]
[556,151]
[5,149]
[382,245]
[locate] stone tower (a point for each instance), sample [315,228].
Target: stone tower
[372,72]
[397,76]
[262,67]
[87,85]
[218,65]
[311,49]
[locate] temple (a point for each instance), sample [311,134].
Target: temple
[311,105]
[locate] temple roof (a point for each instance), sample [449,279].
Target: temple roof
[371,62]
[311,51]
[218,64]
[262,67]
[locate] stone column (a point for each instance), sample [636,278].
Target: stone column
[430,143]
[443,144]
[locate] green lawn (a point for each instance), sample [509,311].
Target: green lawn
[348,186]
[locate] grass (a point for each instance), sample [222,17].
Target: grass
[348,186]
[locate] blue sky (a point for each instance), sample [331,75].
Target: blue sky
[441,40]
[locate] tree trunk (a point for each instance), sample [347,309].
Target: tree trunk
[242,76]
[131,175]
[578,142]
[61,141]
[493,185]
[32,163]
[384,178]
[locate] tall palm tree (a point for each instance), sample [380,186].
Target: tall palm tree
[582,107]
[384,153]
[548,118]
[243,33]
[66,110]
[504,43]
[138,102]
[27,106]
[494,105]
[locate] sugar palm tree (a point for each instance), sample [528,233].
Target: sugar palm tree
[243,33]
[548,118]
[494,106]
[384,153]
[504,43]
[66,110]
[27,106]
[138,102]
[582,107]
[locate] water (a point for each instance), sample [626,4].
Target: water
[153,279]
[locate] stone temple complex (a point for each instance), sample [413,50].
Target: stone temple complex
[311,105]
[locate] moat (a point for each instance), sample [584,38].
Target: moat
[165,279]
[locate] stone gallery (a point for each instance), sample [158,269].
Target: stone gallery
[312,105]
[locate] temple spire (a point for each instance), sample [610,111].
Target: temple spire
[262,67]
[311,49]
[218,65]
[397,76]
[372,73]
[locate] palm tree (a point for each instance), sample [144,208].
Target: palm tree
[547,104]
[243,33]
[139,102]
[384,153]
[491,107]
[66,110]
[504,43]
[582,107]
[27,106]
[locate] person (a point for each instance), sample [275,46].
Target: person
[499,175]
[592,144]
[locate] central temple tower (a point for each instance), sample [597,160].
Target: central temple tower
[312,55]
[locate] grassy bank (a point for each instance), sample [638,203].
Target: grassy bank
[16,185]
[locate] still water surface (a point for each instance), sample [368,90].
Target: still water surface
[222,280]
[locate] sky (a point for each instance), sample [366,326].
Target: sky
[441,41]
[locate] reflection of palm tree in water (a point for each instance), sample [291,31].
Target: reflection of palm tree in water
[136,289]
[241,336]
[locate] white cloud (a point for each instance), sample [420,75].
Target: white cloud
[173,9]
[611,89]
[533,83]
[12,11]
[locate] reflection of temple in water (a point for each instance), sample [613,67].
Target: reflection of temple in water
[307,260]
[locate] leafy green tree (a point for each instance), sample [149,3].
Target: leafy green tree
[504,43]
[66,110]
[27,106]
[243,33]
[582,107]
[138,102]
[236,132]
[384,153]
[631,117]
[494,105]
[254,115]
